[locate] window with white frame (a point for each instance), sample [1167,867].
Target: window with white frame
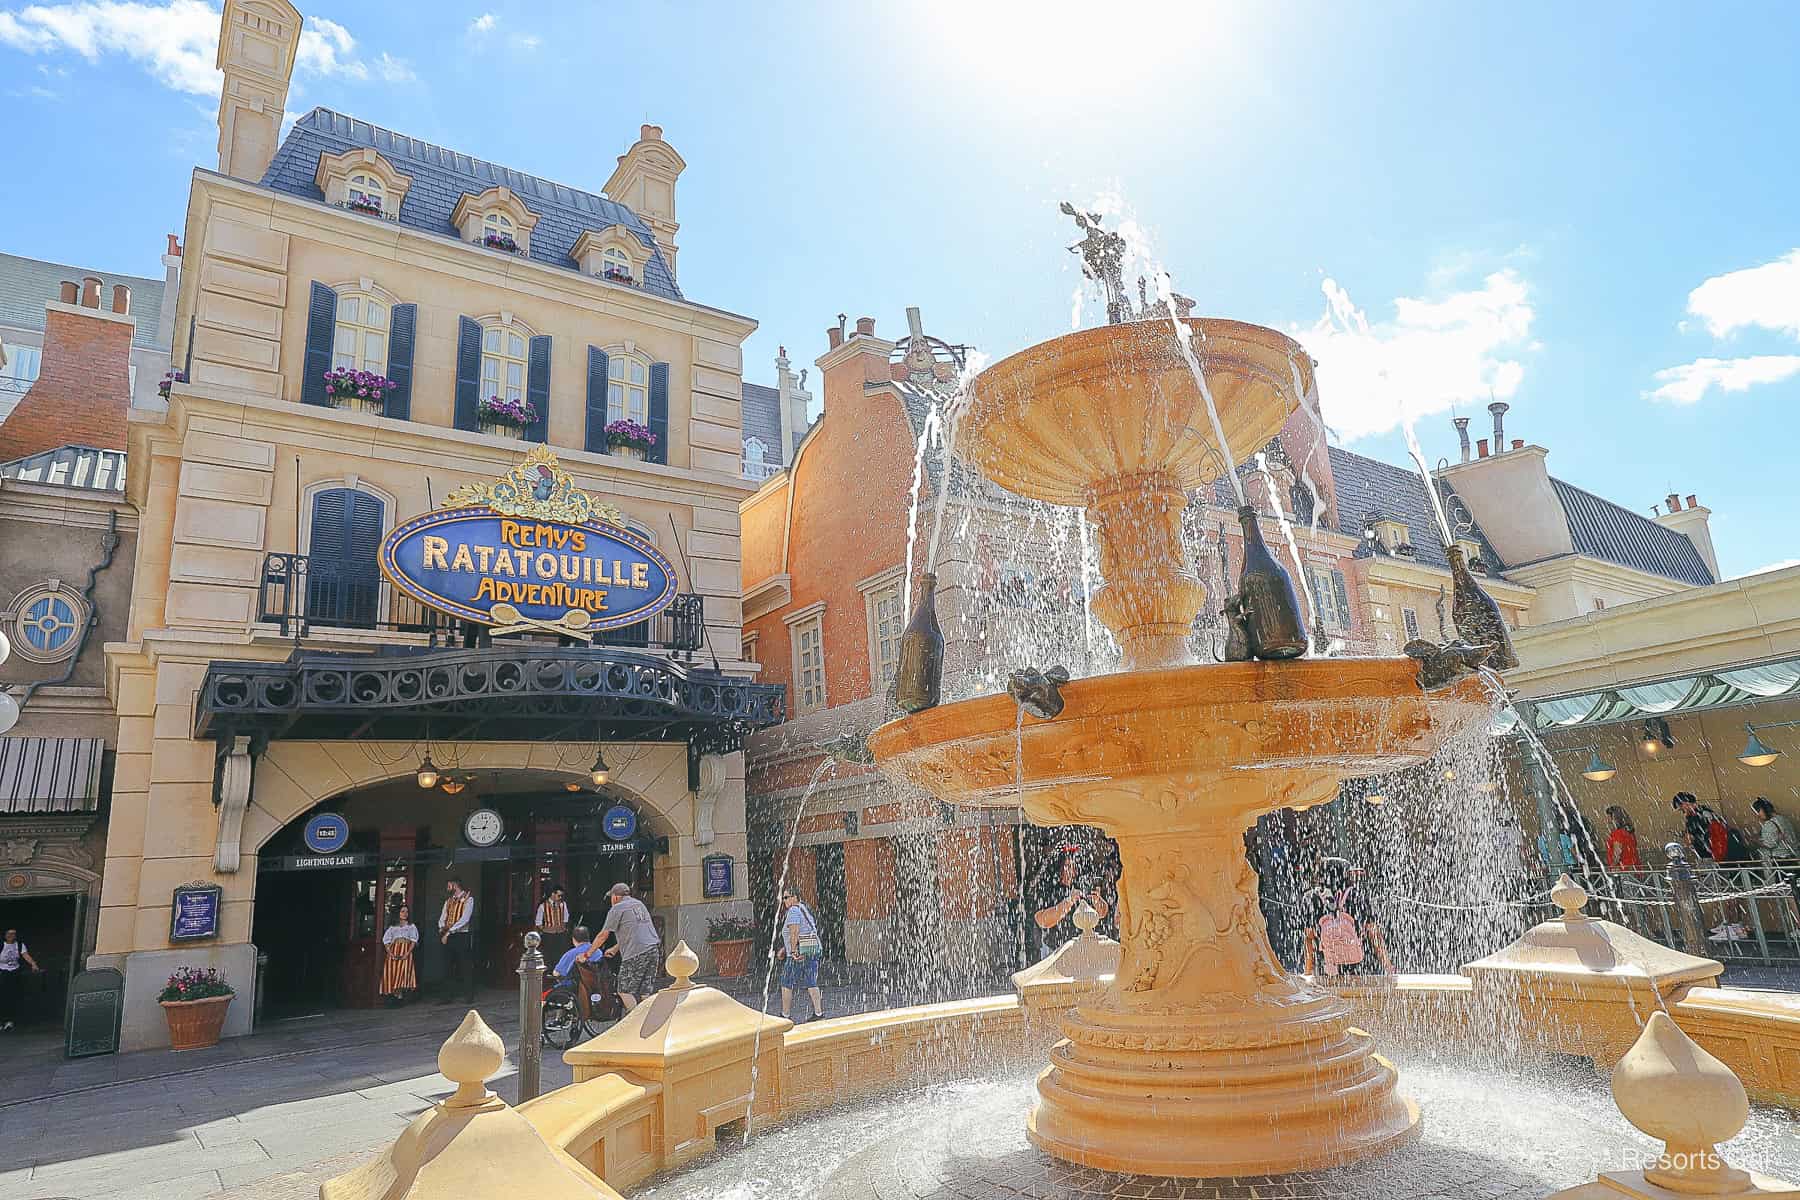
[809,663]
[614,261]
[360,340]
[498,224]
[367,189]
[503,362]
[1410,618]
[1330,595]
[886,621]
[21,369]
[627,389]
[47,621]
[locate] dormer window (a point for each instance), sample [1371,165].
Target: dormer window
[497,219]
[614,254]
[363,182]
[1393,536]
[614,265]
[1471,552]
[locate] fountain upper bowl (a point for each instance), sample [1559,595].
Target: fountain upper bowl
[1221,739]
[1054,421]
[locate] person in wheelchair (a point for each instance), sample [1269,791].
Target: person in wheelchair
[572,962]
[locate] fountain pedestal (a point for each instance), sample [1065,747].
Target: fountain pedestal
[1202,1057]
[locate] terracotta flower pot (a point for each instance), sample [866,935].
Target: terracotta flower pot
[195,1024]
[732,958]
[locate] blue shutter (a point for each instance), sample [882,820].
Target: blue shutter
[402,332]
[321,327]
[596,400]
[659,412]
[468,374]
[343,580]
[537,387]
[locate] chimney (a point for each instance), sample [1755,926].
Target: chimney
[1691,502]
[71,292]
[1462,436]
[865,326]
[257,43]
[644,181]
[165,321]
[1481,448]
[1518,443]
[1673,501]
[1694,523]
[834,335]
[83,390]
[121,303]
[1498,408]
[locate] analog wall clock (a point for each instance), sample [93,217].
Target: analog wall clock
[483,827]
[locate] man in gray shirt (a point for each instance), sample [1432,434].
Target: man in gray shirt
[637,946]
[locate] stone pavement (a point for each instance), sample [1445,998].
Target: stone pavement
[265,1116]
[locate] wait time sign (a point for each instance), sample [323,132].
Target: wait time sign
[529,551]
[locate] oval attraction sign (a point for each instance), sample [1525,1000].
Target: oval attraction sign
[529,551]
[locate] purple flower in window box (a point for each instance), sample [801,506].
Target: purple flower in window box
[502,410]
[500,241]
[629,434]
[344,385]
[169,380]
[364,204]
[618,275]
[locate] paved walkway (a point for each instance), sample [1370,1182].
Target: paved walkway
[267,1116]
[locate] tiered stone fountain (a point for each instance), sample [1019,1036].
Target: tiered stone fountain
[1203,1058]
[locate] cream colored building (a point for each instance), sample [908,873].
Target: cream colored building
[270,673]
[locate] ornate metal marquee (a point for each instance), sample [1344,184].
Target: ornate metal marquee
[495,693]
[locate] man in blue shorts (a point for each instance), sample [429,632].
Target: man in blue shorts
[800,942]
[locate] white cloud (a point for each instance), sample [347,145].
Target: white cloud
[527,41]
[482,24]
[1689,383]
[1765,297]
[1783,565]
[1432,355]
[176,41]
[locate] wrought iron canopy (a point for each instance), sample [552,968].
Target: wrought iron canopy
[512,693]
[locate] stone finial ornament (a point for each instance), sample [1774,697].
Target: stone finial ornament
[471,1056]
[682,963]
[1571,897]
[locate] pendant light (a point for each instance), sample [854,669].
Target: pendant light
[452,785]
[599,773]
[1598,769]
[1376,799]
[428,773]
[1756,752]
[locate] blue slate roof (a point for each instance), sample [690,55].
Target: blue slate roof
[26,283]
[1601,529]
[441,177]
[1368,488]
[762,420]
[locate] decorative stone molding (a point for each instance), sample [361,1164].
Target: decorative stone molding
[706,797]
[472,209]
[237,766]
[16,852]
[335,170]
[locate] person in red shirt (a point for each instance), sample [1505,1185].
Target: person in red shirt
[1622,842]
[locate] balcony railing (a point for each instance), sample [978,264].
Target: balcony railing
[302,595]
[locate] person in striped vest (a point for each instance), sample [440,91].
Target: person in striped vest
[553,925]
[456,934]
[399,971]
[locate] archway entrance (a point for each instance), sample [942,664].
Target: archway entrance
[320,916]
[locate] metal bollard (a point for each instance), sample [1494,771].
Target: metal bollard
[1683,889]
[531,1019]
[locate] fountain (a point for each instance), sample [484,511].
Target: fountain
[1203,1057]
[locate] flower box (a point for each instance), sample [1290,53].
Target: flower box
[500,241]
[364,205]
[169,380]
[613,276]
[194,1003]
[363,390]
[500,417]
[731,957]
[629,440]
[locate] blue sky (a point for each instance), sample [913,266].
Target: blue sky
[1589,210]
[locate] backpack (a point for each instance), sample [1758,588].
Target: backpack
[1339,941]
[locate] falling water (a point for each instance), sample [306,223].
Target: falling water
[1309,404]
[1431,492]
[1182,339]
[931,430]
[1287,532]
[958,404]
[826,765]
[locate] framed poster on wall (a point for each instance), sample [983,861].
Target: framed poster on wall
[194,915]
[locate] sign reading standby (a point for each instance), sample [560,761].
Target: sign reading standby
[194,916]
[530,551]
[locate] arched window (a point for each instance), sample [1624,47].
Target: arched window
[343,582]
[367,189]
[614,261]
[498,223]
[360,342]
[503,366]
[627,389]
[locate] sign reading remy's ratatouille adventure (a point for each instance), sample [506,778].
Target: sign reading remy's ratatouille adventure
[530,551]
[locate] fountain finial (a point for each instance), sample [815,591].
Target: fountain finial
[682,963]
[1103,261]
[1571,897]
[473,1053]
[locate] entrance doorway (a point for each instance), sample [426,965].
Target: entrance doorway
[47,926]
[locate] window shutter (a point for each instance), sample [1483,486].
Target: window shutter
[402,330]
[537,387]
[321,325]
[659,411]
[468,374]
[343,585]
[596,400]
[1343,597]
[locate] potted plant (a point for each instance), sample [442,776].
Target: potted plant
[364,389]
[628,439]
[169,380]
[500,241]
[364,204]
[194,1002]
[506,418]
[730,939]
[617,275]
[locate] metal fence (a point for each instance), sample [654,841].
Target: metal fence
[302,594]
[1750,913]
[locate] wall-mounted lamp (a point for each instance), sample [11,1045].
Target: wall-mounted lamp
[1655,737]
[1756,752]
[1598,769]
[452,785]
[428,773]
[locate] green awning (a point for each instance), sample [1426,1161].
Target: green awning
[1687,694]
